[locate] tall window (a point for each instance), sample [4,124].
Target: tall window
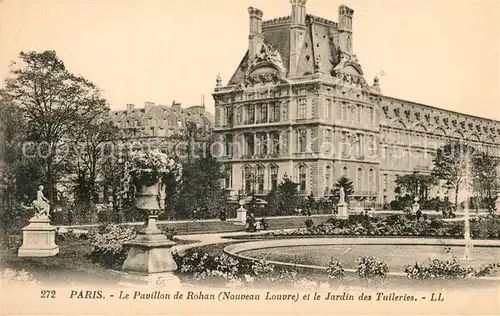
[302,179]
[302,135]
[274,112]
[228,144]
[328,140]
[262,146]
[239,114]
[359,179]
[250,114]
[345,172]
[275,141]
[329,109]
[263,113]
[250,145]
[385,182]
[260,179]
[248,176]
[359,145]
[371,182]
[302,108]
[228,170]
[328,176]
[274,177]
[284,111]
[229,115]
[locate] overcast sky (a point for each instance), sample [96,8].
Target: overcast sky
[442,53]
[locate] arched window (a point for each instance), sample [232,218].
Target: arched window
[260,179]
[371,180]
[345,172]
[328,177]
[302,178]
[274,177]
[359,179]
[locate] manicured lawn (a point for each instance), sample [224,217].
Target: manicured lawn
[69,266]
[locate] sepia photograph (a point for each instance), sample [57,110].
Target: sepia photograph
[249,157]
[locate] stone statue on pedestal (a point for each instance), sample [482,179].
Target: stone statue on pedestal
[341,196]
[342,211]
[41,204]
[39,235]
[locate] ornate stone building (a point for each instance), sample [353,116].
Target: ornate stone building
[161,121]
[298,105]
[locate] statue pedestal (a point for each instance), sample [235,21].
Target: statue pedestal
[343,212]
[415,207]
[241,216]
[39,239]
[149,256]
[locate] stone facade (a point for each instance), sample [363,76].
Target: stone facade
[161,121]
[298,105]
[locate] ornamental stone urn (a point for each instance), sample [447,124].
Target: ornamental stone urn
[149,254]
[241,213]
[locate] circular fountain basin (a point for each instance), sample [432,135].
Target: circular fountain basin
[315,253]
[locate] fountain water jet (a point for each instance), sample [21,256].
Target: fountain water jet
[466,219]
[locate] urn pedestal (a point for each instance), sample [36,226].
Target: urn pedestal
[149,253]
[39,239]
[241,215]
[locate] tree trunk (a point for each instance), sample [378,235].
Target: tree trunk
[456,196]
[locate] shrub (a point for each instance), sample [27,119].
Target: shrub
[169,232]
[18,276]
[107,245]
[231,271]
[309,223]
[370,268]
[335,271]
[446,269]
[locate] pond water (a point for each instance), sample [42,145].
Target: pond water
[397,257]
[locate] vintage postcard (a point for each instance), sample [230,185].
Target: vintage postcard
[249,157]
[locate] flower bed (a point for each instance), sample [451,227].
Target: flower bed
[394,226]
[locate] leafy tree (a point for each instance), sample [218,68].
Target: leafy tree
[56,105]
[285,198]
[452,164]
[416,185]
[485,176]
[96,141]
[343,182]
[11,138]
[200,187]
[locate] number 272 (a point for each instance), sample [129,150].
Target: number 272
[48,294]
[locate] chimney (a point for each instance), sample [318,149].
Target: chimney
[176,105]
[130,108]
[298,12]
[297,33]
[345,29]
[255,38]
[148,106]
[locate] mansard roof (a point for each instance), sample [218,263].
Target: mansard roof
[173,116]
[321,39]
